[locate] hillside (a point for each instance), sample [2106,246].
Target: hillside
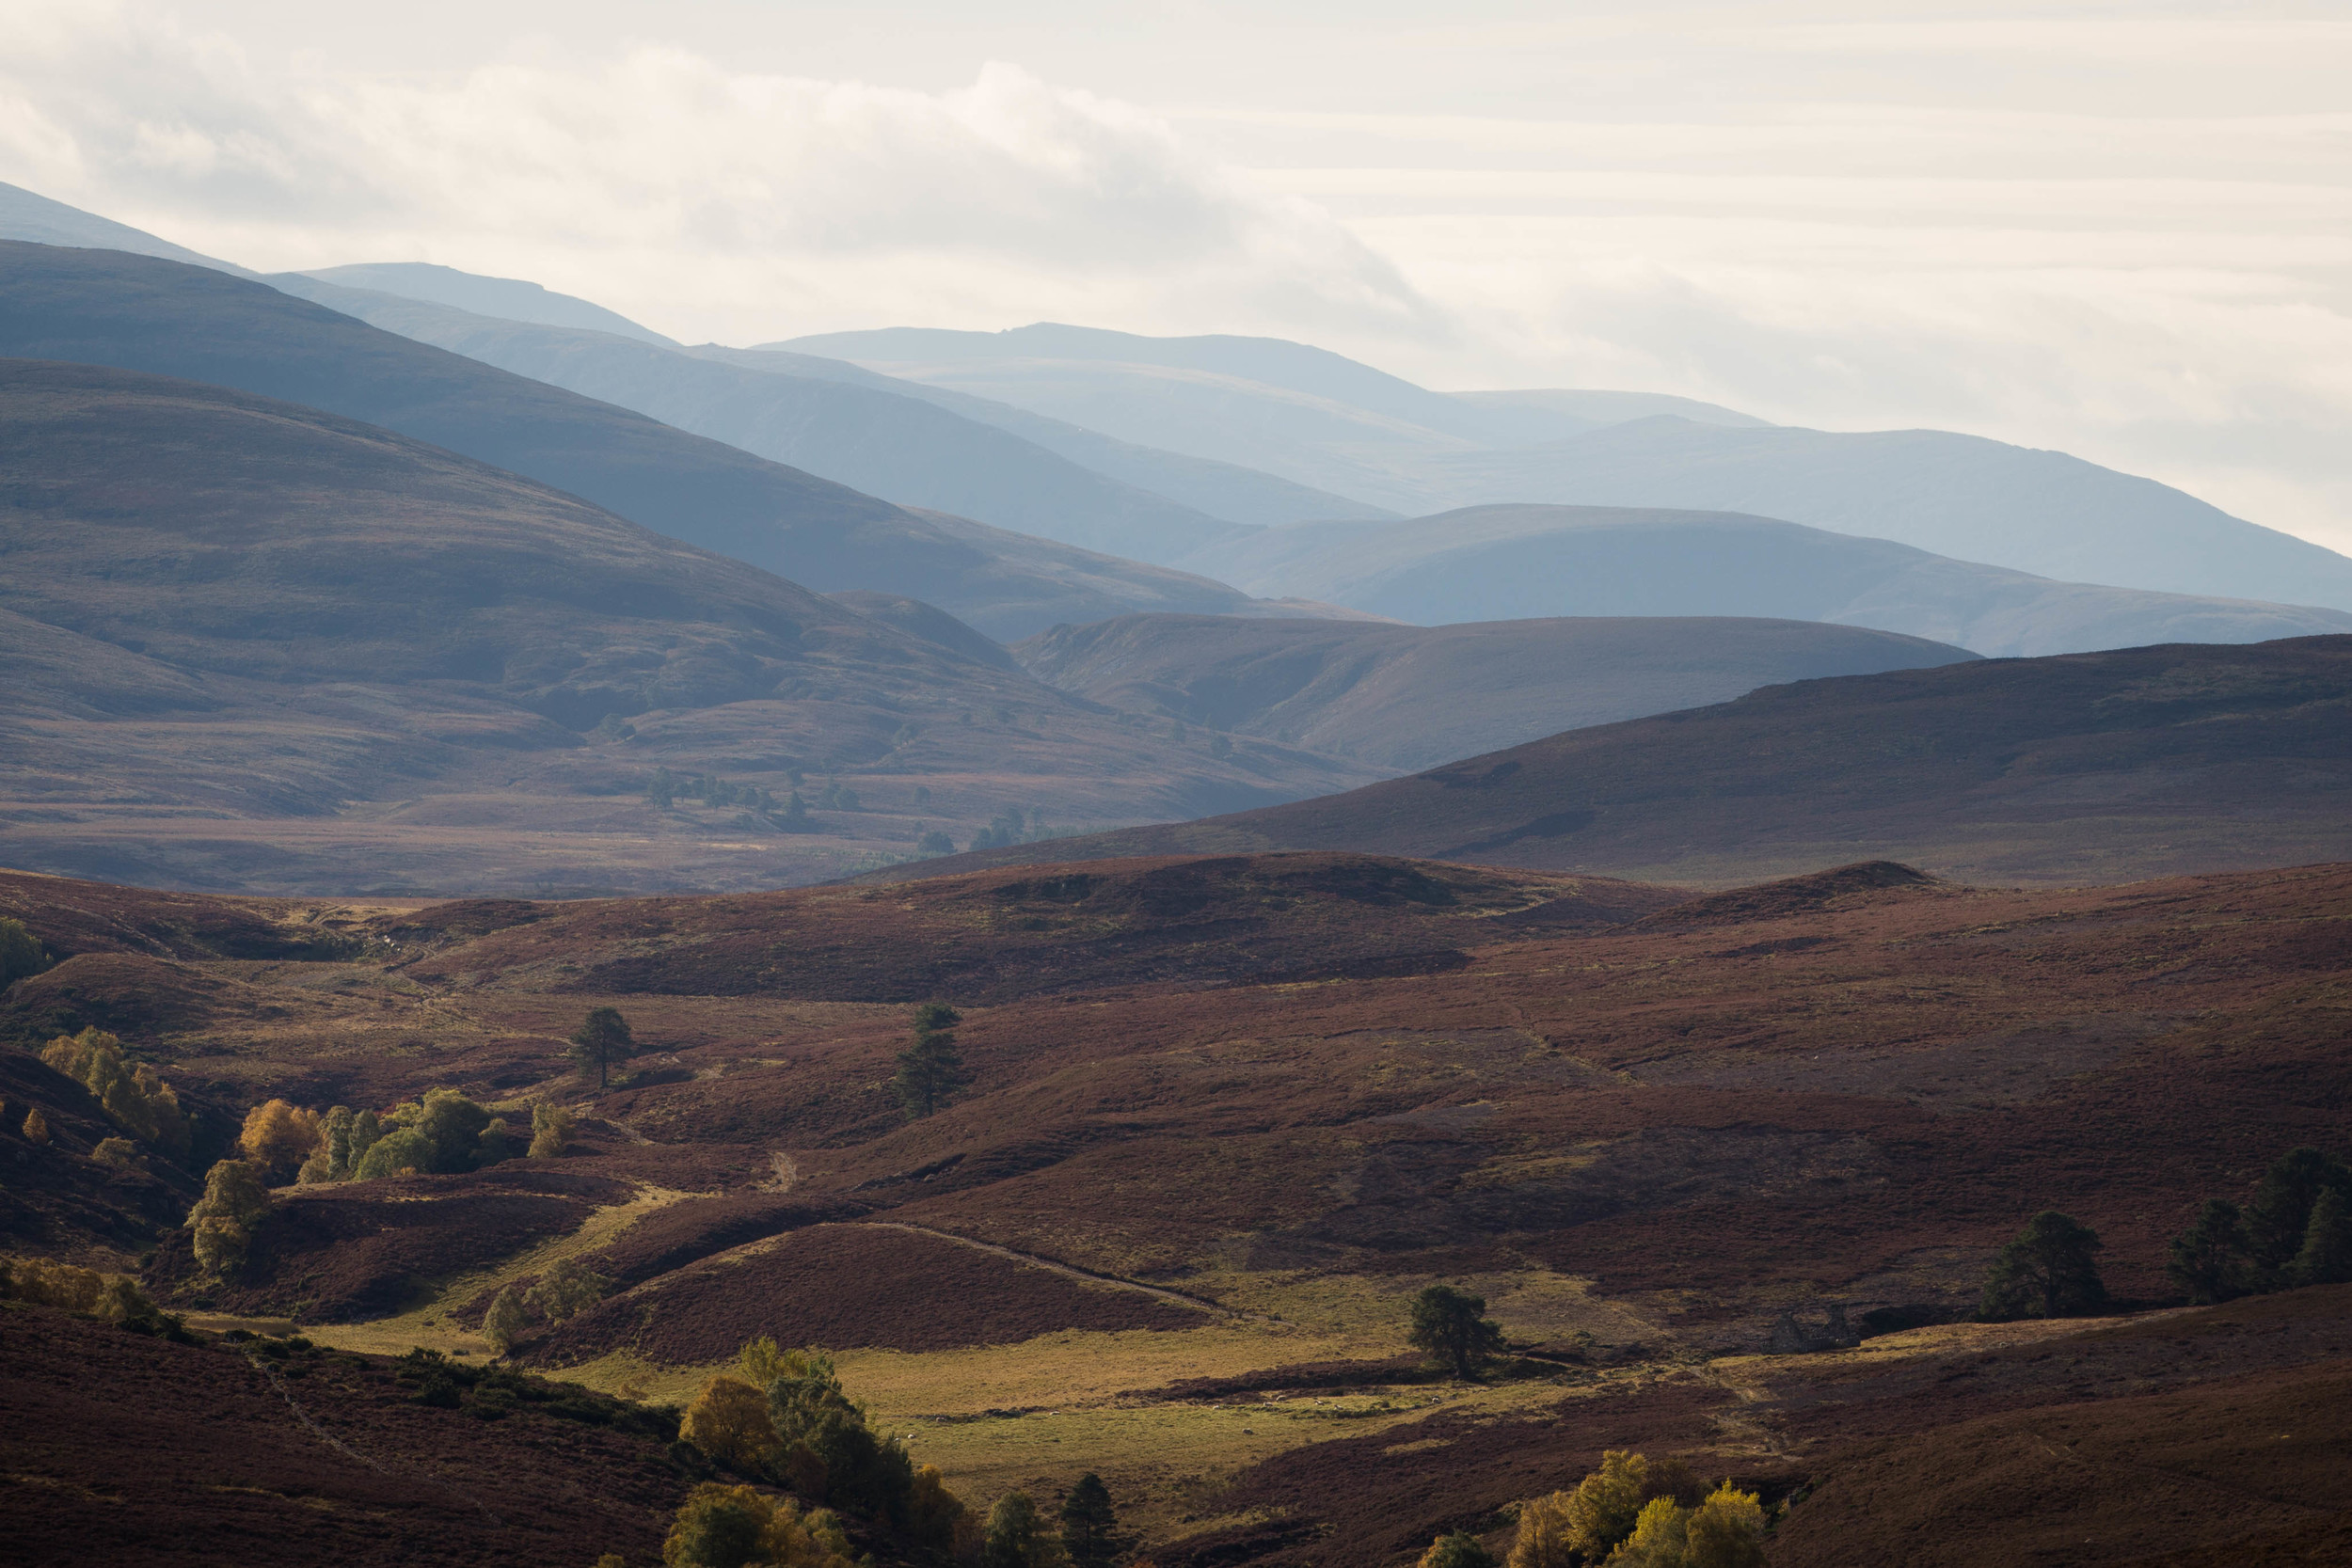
[2086,767]
[1411,697]
[254,644]
[134,312]
[1227,1116]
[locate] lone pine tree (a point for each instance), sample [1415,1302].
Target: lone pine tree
[602,1039]
[2047,1272]
[929,1068]
[1452,1326]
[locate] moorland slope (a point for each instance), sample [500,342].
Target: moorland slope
[255,644]
[2081,768]
[1171,1230]
[1411,697]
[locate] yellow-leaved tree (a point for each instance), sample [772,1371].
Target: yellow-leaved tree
[729,1421]
[133,1097]
[734,1527]
[278,1136]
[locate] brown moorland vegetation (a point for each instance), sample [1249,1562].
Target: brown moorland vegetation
[1641,1123]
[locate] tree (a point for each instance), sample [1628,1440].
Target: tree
[735,1527]
[568,1287]
[20,952]
[729,1421]
[1015,1537]
[401,1151]
[2047,1272]
[1727,1530]
[1089,1525]
[2209,1259]
[119,1152]
[2326,1256]
[131,1095]
[551,1128]
[1543,1540]
[35,1127]
[937,1521]
[930,1069]
[2281,1212]
[1452,1326]
[602,1039]
[1602,1510]
[280,1136]
[1458,1550]
[1661,1537]
[504,1323]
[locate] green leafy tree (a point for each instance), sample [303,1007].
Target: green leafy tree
[1452,1326]
[602,1039]
[551,1129]
[504,1323]
[1015,1536]
[1089,1525]
[2281,1212]
[2326,1256]
[2210,1259]
[1458,1550]
[567,1288]
[401,1151]
[930,1069]
[234,1199]
[131,1095]
[20,952]
[2050,1271]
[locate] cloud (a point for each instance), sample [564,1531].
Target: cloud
[710,201]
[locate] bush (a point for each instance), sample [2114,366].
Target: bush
[735,1527]
[403,1151]
[19,952]
[2047,1272]
[1727,1531]
[119,1152]
[1458,1550]
[551,1129]
[132,1095]
[1452,1326]
[46,1282]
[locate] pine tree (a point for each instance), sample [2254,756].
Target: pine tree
[2047,1272]
[2326,1257]
[602,1039]
[930,1069]
[2281,1208]
[1089,1525]
[2209,1259]
[1453,1326]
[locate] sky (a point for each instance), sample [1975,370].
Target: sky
[2123,230]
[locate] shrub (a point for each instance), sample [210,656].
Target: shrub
[132,1095]
[568,1287]
[504,1323]
[1015,1536]
[1452,1326]
[729,1421]
[551,1128]
[2209,1259]
[35,1127]
[1458,1550]
[2047,1272]
[19,952]
[735,1527]
[119,1152]
[280,1136]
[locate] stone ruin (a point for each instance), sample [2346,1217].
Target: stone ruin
[1791,1337]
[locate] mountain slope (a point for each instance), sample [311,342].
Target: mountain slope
[111,308]
[514,298]
[1508,563]
[1960,496]
[252,645]
[2084,768]
[1411,697]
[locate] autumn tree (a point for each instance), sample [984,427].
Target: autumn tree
[729,1421]
[937,1521]
[19,952]
[504,1323]
[736,1527]
[1543,1540]
[2048,1271]
[930,1069]
[234,1199]
[1089,1525]
[35,1127]
[551,1129]
[1452,1326]
[1459,1549]
[602,1039]
[2281,1210]
[1601,1511]
[132,1094]
[2209,1259]
[1727,1530]
[278,1136]
[119,1152]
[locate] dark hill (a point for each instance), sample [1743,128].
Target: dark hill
[141,313]
[2080,767]
[252,645]
[1408,697]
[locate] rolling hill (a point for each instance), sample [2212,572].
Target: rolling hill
[1411,697]
[2083,768]
[251,644]
[111,308]
[1509,562]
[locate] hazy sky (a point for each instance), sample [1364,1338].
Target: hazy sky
[2120,229]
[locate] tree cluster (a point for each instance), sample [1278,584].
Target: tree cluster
[930,1070]
[2296,1229]
[781,1417]
[20,952]
[46,1282]
[1633,1512]
[741,1527]
[568,1287]
[1015,826]
[132,1095]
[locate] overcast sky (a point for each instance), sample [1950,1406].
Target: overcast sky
[2120,229]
